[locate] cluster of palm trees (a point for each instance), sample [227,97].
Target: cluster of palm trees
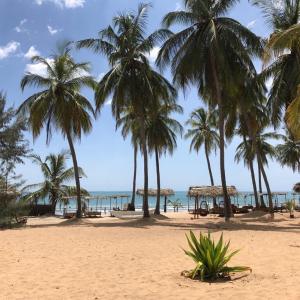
[212,52]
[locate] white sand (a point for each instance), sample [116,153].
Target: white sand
[116,259]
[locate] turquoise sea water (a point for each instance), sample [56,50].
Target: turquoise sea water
[105,205]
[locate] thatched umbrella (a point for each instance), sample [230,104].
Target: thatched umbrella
[296,188]
[208,191]
[153,193]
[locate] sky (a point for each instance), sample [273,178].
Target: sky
[36,27]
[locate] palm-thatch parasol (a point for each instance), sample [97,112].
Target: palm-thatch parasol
[153,192]
[296,187]
[210,191]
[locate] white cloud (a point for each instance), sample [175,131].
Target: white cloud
[153,54]
[269,84]
[31,52]
[251,24]
[20,27]
[9,49]
[51,30]
[63,3]
[38,68]
[178,6]
[108,102]
[74,3]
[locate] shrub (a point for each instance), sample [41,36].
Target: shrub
[11,209]
[291,205]
[211,259]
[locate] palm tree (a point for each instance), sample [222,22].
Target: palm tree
[129,124]
[282,53]
[131,81]
[245,152]
[292,117]
[203,133]
[56,175]
[161,131]
[213,51]
[288,153]
[59,104]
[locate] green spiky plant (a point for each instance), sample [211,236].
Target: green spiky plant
[211,258]
[291,205]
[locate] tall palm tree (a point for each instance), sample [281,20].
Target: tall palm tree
[248,114]
[203,132]
[288,153]
[129,124]
[59,104]
[282,53]
[161,132]
[263,150]
[56,175]
[244,152]
[131,81]
[214,52]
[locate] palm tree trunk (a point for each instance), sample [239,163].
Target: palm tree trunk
[252,176]
[227,201]
[210,173]
[157,208]
[145,156]
[76,172]
[134,178]
[262,202]
[262,169]
[254,184]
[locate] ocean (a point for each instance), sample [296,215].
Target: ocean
[105,205]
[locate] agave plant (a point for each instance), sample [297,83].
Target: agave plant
[291,205]
[211,258]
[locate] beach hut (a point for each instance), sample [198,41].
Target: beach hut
[296,188]
[153,193]
[200,194]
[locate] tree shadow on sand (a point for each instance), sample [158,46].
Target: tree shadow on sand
[238,224]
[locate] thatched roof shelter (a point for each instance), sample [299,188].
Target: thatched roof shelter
[153,192]
[210,191]
[296,188]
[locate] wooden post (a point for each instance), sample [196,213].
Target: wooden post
[165,206]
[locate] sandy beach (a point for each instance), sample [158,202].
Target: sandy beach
[109,258]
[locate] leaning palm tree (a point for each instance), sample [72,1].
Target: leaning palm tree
[203,132]
[288,153]
[265,150]
[129,124]
[213,51]
[282,53]
[131,81]
[59,105]
[56,176]
[161,133]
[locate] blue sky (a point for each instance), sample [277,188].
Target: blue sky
[30,27]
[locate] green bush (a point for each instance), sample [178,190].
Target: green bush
[11,209]
[291,205]
[211,259]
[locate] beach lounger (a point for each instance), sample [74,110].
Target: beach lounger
[92,213]
[69,215]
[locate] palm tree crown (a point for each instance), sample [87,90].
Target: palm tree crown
[56,175]
[131,81]
[203,130]
[60,105]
